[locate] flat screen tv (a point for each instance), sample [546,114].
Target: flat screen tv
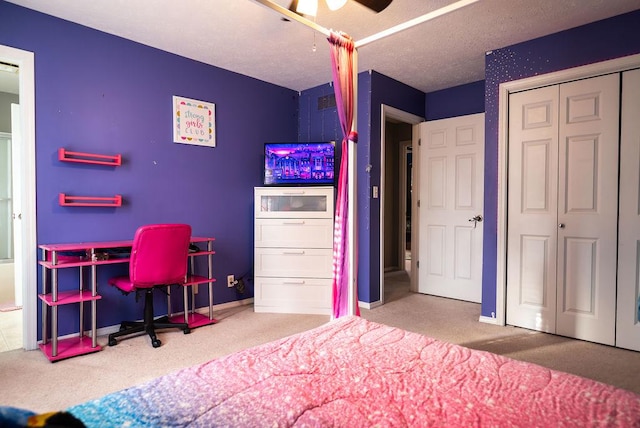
[299,164]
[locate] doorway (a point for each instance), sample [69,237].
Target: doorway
[23,215]
[406,193]
[10,291]
[399,134]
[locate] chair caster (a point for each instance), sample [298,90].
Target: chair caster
[112,342]
[186,331]
[156,343]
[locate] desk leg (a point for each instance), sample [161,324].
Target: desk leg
[45,314]
[185,296]
[94,292]
[210,275]
[81,309]
[54,309]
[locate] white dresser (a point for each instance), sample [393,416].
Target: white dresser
[293,249]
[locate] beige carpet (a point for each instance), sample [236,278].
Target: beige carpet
[29,380]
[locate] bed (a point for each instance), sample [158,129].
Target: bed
[352,372]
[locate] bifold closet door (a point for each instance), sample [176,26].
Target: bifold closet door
[588,208]
[562,209]
[532,209]
[628,325]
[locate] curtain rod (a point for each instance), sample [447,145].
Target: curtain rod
[382,34]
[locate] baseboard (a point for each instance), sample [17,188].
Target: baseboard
[489,320]
[104,331]
[367,305]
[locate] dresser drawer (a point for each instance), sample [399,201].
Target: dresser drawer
[286,295]
[294,202]
[293,262]
[294,233]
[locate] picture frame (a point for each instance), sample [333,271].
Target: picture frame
[194,122]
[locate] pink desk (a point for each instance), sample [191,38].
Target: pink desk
[93,255]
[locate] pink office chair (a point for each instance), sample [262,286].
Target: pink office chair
[158,258]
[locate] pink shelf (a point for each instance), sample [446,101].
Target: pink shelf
[92,158]
[86,245]
[89,201]
[66,297]
[201,253]
[196,239]
[73,263]
[68,348]
[195,320]
[197,279]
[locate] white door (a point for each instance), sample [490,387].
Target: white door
[451,207]
[532,209]
[562,217]
[17,172]
[628,324]
[588,208]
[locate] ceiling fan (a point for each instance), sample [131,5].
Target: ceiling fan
[310,7]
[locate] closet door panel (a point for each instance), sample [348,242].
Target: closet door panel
[628,325]
[588,208]
[532,209]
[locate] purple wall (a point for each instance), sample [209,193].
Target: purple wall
[374,89]
[457,101]
[603,40]
[103,94]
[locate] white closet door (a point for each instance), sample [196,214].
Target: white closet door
[451,195]
[628,326]
[562,209]
[588,208]
[532,209]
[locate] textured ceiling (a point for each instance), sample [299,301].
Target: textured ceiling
[246,37]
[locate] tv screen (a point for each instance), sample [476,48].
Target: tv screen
[299,164]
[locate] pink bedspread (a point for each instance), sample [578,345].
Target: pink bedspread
[352,373]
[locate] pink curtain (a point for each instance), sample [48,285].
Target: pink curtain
[342,48]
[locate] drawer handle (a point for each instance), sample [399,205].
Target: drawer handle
[299,192]
[293,222]
[293,252]
[293,282]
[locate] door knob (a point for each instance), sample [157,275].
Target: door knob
[475,220]
[561,225]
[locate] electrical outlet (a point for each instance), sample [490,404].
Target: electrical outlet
[231,280]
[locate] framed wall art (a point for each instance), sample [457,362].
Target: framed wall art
[194,122]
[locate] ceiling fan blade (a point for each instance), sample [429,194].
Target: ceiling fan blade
[375,5]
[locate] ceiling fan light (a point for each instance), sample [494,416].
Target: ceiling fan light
[307,7]
[335,4]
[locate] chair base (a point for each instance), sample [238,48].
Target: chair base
[149,325]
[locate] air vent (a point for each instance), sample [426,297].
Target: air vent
[327,101]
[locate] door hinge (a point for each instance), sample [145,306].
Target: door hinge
[418,264]
[418,203]
[419,141]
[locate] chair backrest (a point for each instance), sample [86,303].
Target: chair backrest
[159,254]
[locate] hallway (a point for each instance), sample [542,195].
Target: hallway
[10,330]
[10,316]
